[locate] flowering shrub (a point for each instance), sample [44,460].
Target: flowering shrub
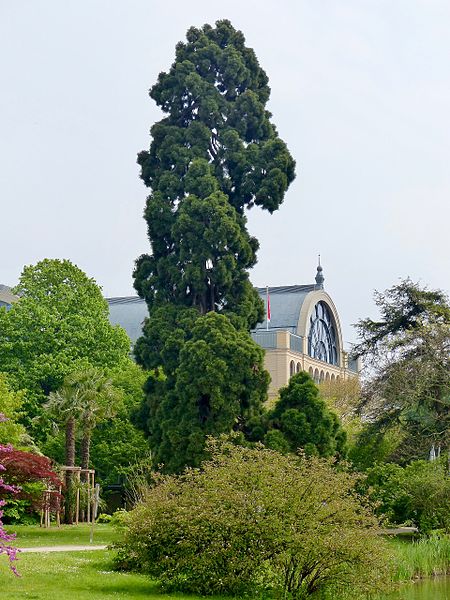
[6,538]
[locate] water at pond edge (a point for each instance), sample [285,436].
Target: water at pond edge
[425,589]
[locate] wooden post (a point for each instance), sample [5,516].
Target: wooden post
[94,509]
[88,481]
[47,509]
[77,511]
[58,509]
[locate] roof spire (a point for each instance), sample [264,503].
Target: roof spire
[319,276]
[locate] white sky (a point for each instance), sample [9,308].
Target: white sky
[360,93]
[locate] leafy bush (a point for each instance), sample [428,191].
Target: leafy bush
[119,518]
[104,518]
[428,486]
[253,518]
[418,493]
[386,488]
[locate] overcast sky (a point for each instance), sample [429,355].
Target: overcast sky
[360,93]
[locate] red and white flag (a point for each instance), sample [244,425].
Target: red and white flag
[268,306]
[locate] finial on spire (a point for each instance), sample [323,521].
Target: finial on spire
[319,276]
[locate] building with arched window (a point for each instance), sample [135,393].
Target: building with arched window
[303,334]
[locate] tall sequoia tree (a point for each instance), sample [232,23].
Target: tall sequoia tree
[214,154]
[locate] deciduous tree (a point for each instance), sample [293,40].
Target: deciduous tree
[408,387]
[60,324]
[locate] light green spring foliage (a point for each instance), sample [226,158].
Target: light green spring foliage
[59,325]
[11,432]
[116,443]
[254,519]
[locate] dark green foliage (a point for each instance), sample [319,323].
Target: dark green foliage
[386,487]
[301,419]
[214,154]
[252,520]
[218,383]
[404,308]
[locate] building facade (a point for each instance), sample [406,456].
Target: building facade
[303,334]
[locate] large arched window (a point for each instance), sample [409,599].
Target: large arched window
[322,339]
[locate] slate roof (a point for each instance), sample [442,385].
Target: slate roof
[129,312]
[6,296]
[285,304]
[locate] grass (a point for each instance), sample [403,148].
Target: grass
[70,575]
[426,557]
[30,536]
[90,576]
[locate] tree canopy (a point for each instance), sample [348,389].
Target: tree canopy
[213,155]
[59,324]
[219,385]
[408,387]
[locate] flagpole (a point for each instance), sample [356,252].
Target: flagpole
[267,308]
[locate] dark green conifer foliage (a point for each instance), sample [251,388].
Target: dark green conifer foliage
[301,419]
[214,154]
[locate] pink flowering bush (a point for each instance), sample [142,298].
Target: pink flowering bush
[6,538]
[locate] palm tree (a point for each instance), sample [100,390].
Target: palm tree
[65,406]
[99,399]
[86,397]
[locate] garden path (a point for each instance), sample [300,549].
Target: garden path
[63,548]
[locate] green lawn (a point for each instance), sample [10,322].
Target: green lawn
[29,536]
[78,576]
[70,576]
